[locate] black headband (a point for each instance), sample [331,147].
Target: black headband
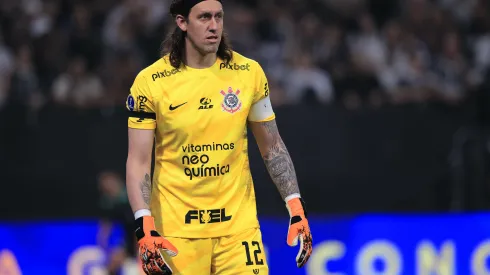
[184,7]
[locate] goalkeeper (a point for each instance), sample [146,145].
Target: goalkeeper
[197,214]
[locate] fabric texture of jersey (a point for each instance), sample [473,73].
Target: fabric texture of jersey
[202,184]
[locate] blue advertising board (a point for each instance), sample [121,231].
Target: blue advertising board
[371,244]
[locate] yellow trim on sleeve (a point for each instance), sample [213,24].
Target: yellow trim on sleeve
[142,125]
[271,117]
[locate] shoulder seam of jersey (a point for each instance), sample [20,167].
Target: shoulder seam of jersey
[145,78]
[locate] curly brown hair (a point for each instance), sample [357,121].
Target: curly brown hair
[174,43]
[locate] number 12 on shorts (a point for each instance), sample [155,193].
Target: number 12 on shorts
[256,253]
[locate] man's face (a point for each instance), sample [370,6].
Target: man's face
[205,26]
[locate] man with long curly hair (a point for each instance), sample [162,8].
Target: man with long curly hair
[197,214]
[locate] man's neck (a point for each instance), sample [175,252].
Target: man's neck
[196,60]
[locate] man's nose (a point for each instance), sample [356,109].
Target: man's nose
[213,25]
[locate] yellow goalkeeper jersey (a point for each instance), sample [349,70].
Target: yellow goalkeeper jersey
[202,184]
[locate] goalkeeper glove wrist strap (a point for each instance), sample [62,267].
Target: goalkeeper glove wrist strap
[142,212]
[145,226]
[296,207]
[292,196]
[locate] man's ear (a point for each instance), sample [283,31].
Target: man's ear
[181,22]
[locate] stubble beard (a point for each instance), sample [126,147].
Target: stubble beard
[205,49]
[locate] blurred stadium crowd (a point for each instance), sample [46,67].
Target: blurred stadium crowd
[85,54]
[79,56]
[416,70]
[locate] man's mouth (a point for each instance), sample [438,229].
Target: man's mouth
[212,38]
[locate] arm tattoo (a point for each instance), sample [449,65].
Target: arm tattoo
[146,189]
[279,163]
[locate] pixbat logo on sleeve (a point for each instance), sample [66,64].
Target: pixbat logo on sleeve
[165,73]
[235,67]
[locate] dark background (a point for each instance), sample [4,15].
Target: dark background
[375,121]
[405,158]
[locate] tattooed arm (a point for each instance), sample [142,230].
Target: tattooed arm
[138,166]
[276,157]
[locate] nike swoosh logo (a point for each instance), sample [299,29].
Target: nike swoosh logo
[171,108]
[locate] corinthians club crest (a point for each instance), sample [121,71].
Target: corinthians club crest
[231,102]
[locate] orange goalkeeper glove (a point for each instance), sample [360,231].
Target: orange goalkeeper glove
[299,229]
[150,246]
